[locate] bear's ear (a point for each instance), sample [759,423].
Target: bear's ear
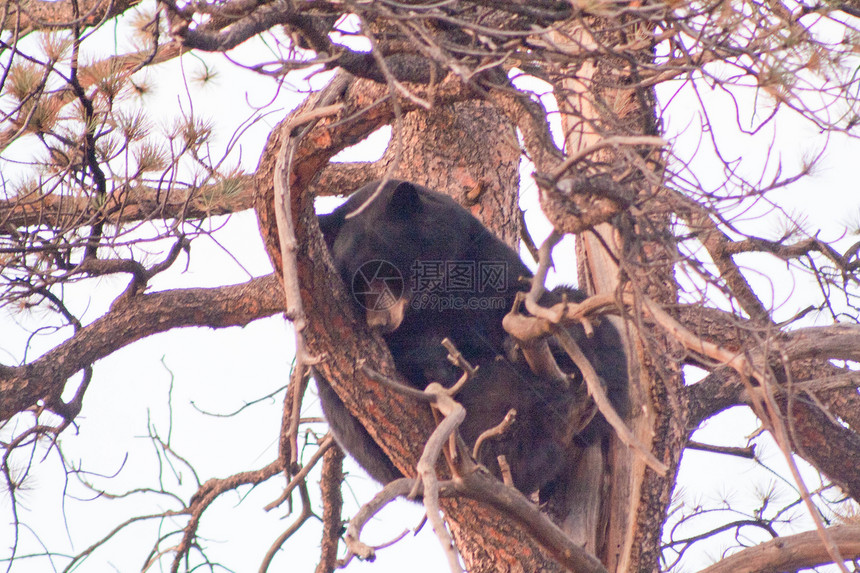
[405,200]
[330,225]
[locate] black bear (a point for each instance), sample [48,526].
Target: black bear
[421,268]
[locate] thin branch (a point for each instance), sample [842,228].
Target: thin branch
[748,453]
[299,478]
[355,547]
[306,513]
[613,141]
[445,432]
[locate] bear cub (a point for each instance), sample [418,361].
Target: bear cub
[421,268]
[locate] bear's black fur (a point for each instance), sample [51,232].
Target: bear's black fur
[422,268]
[417,230]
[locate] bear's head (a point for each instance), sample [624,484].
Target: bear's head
[393,243]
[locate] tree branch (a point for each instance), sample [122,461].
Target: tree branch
[130,320]
[791,553]
[41,15]
[139,204]
[331,482]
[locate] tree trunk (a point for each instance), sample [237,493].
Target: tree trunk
[625,513]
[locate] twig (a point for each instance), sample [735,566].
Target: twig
[614,141]
[355,547]
[325,444]
[494,432]
[395,385]
[295,392]
[460,361]
[505,469]
[544,263]
[306,513]
[748,453]
[454,414]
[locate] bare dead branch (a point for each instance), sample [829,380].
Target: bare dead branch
[300,476]
[596,391]
[292,415]
[453,415]
[304,515]
[331,482]
[748,453]
[393,490]
[791,552]
[206,495]
[495,432]
[485,488]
